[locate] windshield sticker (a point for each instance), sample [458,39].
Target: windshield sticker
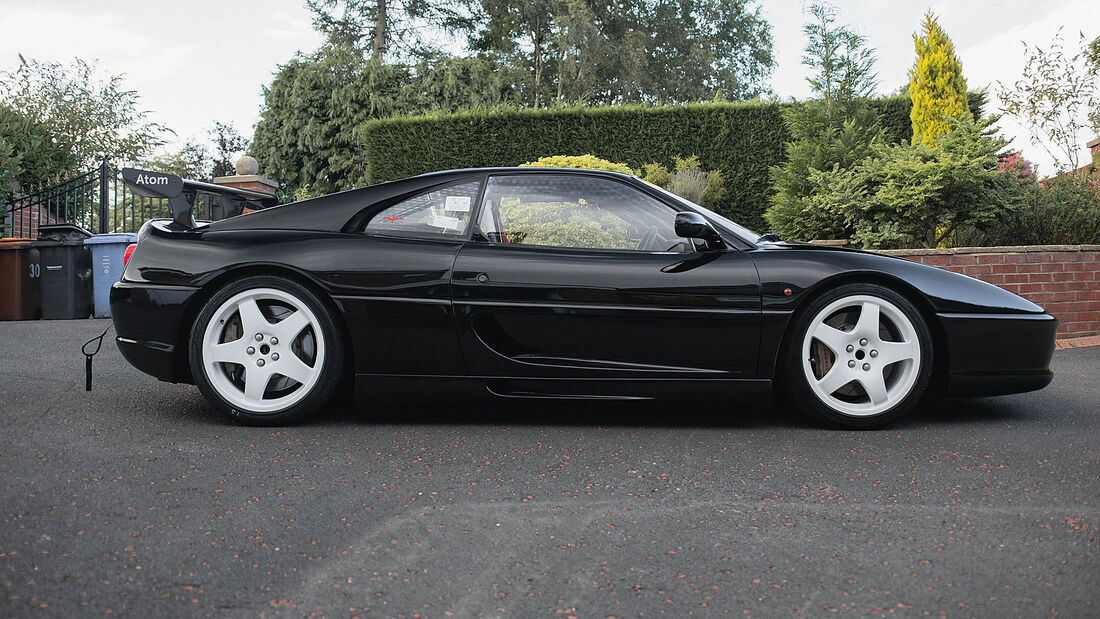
[458,204]
[392,219]
[448,223]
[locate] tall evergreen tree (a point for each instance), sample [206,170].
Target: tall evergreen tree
[306,136]
[836,130]
[936,84]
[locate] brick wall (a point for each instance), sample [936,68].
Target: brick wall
[24,222]
[1064,279]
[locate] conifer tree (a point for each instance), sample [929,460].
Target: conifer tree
[835,130]
[936,84]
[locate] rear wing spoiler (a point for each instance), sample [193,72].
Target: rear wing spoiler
[181,194]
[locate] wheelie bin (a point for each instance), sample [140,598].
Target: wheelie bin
[20,292]
[66,271]
[107,252]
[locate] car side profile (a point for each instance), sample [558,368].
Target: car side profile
[553,283]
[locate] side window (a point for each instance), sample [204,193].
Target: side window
[561,210]
[444,211]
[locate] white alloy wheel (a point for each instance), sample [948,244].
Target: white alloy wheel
[263,350]
[861,355]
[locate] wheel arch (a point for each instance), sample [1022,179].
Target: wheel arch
[210,287]
[898,285]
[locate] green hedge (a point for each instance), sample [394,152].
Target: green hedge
[741,139]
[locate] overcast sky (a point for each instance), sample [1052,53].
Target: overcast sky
[199,61]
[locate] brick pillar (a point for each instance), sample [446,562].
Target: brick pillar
[248,177]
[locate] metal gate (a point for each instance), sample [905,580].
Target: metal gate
[97,201]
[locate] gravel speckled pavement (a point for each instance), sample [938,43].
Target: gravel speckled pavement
[137,499]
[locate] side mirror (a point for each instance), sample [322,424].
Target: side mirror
[694,226]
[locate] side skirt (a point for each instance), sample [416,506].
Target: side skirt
[375,387]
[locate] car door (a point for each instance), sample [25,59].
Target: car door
[582,276]
[397,299]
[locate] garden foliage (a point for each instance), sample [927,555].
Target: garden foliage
[834,131]
[1060,210]
[1058,98]
[90,116]
[936,84]
[564,224]
[306,137]
[906,194]
[36,158]
[740,140]
[587,162]
[687,179]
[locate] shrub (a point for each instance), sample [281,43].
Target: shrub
[906,195]
[741,140]
[41,158]
[827,137]
[688,180]
[1061,210]
[1016,165]
[563,224]
[590,162]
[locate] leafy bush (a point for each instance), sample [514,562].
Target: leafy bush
[741,140]
[590,162]
[9,170]
[1015,164]
[42,159]
[827,136]
[1061,210]
[563,224]
[688,180]
[306,134]
[657,174]
[906,195]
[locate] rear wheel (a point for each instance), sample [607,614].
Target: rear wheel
[861,356]
[265,351]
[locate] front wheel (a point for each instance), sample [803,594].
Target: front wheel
[265,351]
[860,357]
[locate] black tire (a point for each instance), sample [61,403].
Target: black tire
[330,364]
[795,373]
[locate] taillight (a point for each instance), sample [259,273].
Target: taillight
[129,252]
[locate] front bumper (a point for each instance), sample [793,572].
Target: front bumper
[150,330]
[997,354]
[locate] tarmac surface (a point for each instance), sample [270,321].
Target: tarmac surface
[138,499]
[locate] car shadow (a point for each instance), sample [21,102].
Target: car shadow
[735,415]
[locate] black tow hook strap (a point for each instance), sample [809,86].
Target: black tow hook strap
[88,356]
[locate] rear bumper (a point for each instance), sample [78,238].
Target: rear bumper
[997,354]
[150,329]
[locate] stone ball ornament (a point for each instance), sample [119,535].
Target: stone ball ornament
[247,166]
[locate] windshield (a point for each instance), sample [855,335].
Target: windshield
[736,228]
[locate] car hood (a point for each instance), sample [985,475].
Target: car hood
[946,290]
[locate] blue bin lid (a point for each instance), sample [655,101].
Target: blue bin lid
[115,237]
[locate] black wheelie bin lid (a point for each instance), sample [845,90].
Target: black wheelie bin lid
[66,234]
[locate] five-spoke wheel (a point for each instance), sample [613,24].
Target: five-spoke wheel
[863,356]
[265,349]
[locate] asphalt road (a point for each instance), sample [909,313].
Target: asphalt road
[138,499]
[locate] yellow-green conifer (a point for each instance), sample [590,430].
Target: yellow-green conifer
[936,84]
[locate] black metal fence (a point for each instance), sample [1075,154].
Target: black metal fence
[97,201]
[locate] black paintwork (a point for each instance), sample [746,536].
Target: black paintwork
[528,321]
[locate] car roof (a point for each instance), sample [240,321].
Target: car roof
[523,169]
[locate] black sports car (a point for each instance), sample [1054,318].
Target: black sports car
[550,283]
